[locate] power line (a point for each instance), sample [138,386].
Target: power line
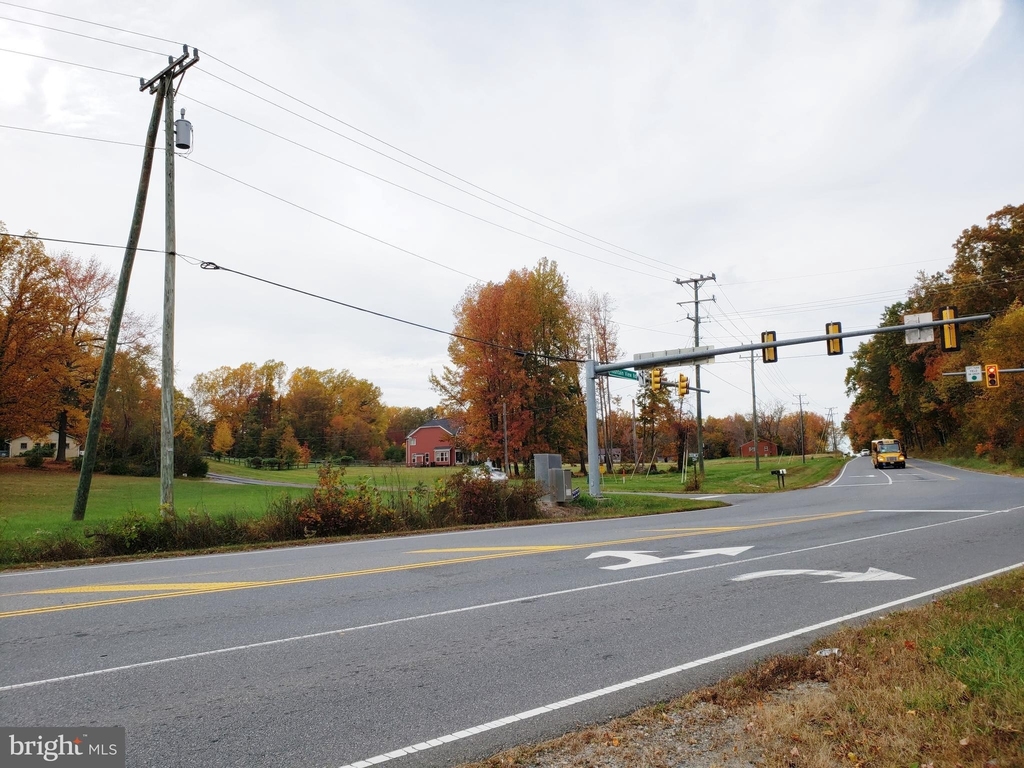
[85,21]
[79,34]
[80,242]
[209,265]
[69,63]
[352,127]
[332,221]
[419,194]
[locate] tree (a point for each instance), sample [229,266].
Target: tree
[290,450]
[514,351]
[31,347]
[223,441]
[85,288]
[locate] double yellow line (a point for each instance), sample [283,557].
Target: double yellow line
[161,591]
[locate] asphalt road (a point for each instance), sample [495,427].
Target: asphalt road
[432,650]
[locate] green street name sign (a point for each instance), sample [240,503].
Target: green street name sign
[623,374]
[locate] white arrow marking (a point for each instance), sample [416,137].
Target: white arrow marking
[843,577]
[637,559]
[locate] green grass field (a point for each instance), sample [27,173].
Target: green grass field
[38,502]
[732,476]
[31,502]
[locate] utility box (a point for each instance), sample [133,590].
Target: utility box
[543,463]
[560,481]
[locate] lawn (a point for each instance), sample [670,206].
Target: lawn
[733,475]
[34,501]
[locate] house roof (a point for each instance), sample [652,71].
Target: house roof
[444,424]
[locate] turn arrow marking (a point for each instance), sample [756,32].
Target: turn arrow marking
[843,577]
[638,559]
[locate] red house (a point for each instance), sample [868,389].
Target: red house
[764,448]
[433,445]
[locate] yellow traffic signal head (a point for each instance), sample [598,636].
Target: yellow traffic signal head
[950,331]
[656,379]
[834,346]
[684,385]
[769,354]
[992,376]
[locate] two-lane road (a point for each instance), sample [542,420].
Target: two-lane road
[430,650]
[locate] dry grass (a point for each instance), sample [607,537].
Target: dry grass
[941,685]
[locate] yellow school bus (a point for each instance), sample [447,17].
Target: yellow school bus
[888,452]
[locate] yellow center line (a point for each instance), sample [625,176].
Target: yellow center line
[199,588]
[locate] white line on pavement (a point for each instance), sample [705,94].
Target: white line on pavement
[466,733]
[482,606]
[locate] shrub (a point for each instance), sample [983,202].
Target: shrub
[34,458]
[255,462]
[118,467]
[196,466]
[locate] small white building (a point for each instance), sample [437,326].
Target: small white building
[23,444]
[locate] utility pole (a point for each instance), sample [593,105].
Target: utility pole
[162,85]
[170,259]
[636,456]
[504,423]
[753,397]
[803,451]
[116,312]
[697,282]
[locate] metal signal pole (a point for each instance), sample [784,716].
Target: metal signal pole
[753,397]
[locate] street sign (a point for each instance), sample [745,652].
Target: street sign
[919,335]
[641,356]
[973,373]
[624,374]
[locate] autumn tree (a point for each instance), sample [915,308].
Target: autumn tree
[514,352]
[223,441]
[85,288]
[32,349]
[602,341]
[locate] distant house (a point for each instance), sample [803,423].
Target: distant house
[616,454]
[432,445]
[23,444]
[764,448]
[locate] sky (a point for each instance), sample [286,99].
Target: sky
[812,156]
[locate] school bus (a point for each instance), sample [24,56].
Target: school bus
[888,452]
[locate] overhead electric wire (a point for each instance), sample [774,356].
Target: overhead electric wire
[332,221]
[209,265]
[417,194]
[80,34]
[69,63]
[85,21]
[804,275]
[620,250]
[80,242]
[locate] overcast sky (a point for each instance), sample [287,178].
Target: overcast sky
[812,155]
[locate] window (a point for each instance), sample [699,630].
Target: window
[24,446]
[441,455]
[412,441]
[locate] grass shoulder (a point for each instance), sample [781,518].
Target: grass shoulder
[977,464]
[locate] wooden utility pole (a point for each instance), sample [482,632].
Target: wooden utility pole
[162,85]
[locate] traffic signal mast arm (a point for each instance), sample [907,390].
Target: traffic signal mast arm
[593,369]
[683,357]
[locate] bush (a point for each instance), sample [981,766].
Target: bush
[119,467]
[196,466]
[34,458]
[465,499]
[255,462]
[76,463]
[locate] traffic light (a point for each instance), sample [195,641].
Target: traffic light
[991,376]
[684,385]
[656,376]
[769,354]
[834,346]
[950,331]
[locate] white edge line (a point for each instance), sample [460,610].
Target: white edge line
[482,606]
[841,473]
[458,735]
